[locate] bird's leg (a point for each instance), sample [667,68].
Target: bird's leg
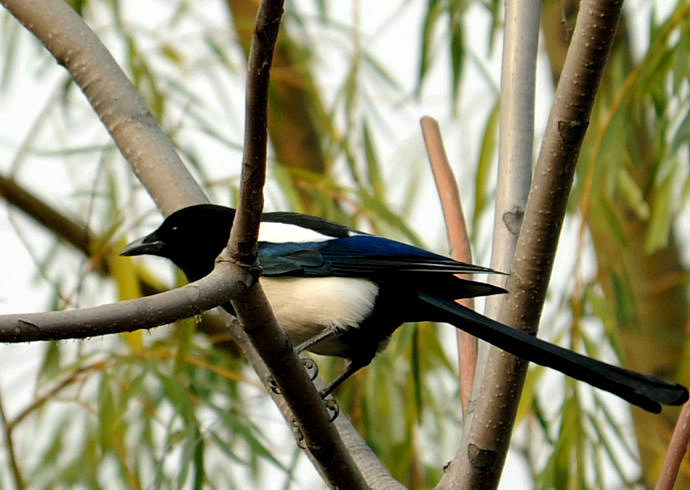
[351,368]
[322,335]
[353,364]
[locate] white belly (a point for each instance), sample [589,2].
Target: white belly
[305,306]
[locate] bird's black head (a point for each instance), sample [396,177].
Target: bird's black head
[191,237]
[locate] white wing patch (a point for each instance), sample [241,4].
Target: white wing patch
[274,232]
[270,231]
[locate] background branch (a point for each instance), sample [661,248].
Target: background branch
[74,233]
[676,451]
[456,228]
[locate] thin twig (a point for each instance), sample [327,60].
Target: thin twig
[11,452]
[456,227]
[675,453]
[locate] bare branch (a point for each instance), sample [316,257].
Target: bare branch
[481,457]
[676,451]
[126,316]
[373,471]
[458,238]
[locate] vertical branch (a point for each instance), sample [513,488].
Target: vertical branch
[516,134]
[313,428]
[459,243]
[245,229]
[485,445]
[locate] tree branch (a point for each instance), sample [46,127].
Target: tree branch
[126,316]
[456,228]
[676,451]
[320,437]
[77,235]
[485,445]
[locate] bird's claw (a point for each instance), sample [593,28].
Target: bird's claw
[299,436]
[273,386]
[332,408]
[311,367]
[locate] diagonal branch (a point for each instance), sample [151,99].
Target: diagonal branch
[74,233]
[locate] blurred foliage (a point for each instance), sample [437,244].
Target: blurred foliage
[175,407]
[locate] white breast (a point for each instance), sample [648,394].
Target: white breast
[305,306]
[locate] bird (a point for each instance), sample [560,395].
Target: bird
[337,291]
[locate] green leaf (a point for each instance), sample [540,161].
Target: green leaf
[433,12]
[373,169]
[632,194]
[682,135]
[605,211]
[457,46]
[660,223]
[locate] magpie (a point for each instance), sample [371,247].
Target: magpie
[341,292]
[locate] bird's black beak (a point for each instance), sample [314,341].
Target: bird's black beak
[148,245]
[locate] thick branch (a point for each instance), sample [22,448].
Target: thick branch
[483,455]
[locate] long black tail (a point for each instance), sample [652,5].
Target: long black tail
[644,391]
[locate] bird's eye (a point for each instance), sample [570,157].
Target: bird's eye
[175,228]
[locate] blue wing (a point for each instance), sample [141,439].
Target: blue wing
[374,258]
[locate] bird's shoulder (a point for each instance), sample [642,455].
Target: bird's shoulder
[282,226]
